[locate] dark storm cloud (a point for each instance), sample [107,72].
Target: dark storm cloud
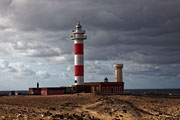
[117,14]
[116,29]
[144,35]
[4,5]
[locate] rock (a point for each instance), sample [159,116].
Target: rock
[83,114]
[66,115]
[60,116]
[22,117]
[169,118]
[74,115]
[33,115]
[78,117]
[52,108]
[110,113]
[88,117]
[124,111]
[116,119]
[100,99]
[47,114]
[19,115]
[3,117]
[70,117]
[67,105]
[42,115]
[97,119]
[160,113]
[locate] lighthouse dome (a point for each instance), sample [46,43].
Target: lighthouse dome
[78,25]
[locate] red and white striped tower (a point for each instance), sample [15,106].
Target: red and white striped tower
[79,37]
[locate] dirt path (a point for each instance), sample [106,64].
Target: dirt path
[86,109]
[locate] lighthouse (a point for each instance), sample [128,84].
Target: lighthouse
[78,37]
[104,88]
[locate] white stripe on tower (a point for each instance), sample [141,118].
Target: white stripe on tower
[78,38]
[78,59]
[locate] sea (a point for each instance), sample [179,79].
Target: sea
[19,92]
[126,91]
[152,91]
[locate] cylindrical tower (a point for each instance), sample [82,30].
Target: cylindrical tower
[79,37]
[118,72]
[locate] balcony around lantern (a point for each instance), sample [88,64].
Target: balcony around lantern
[78,38]
[79,31]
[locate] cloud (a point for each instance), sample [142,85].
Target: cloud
[140,34]
[21,69]
[178,75]
[147,27]
[42,74]
[98,69]
[16,68]
[4,5]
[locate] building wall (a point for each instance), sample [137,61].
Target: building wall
[34,91]
[49,91]
[30,91]
[116,88]
[55,92]
[112,89]
[81,88]
[95,88]
[44,92]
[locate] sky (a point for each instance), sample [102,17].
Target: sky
[35,44]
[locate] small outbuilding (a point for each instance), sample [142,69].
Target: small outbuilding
[115,88]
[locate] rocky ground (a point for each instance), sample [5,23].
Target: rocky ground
[90,107]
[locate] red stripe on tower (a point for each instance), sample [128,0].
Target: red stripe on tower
[78,49]
[78,37]
[79,70]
